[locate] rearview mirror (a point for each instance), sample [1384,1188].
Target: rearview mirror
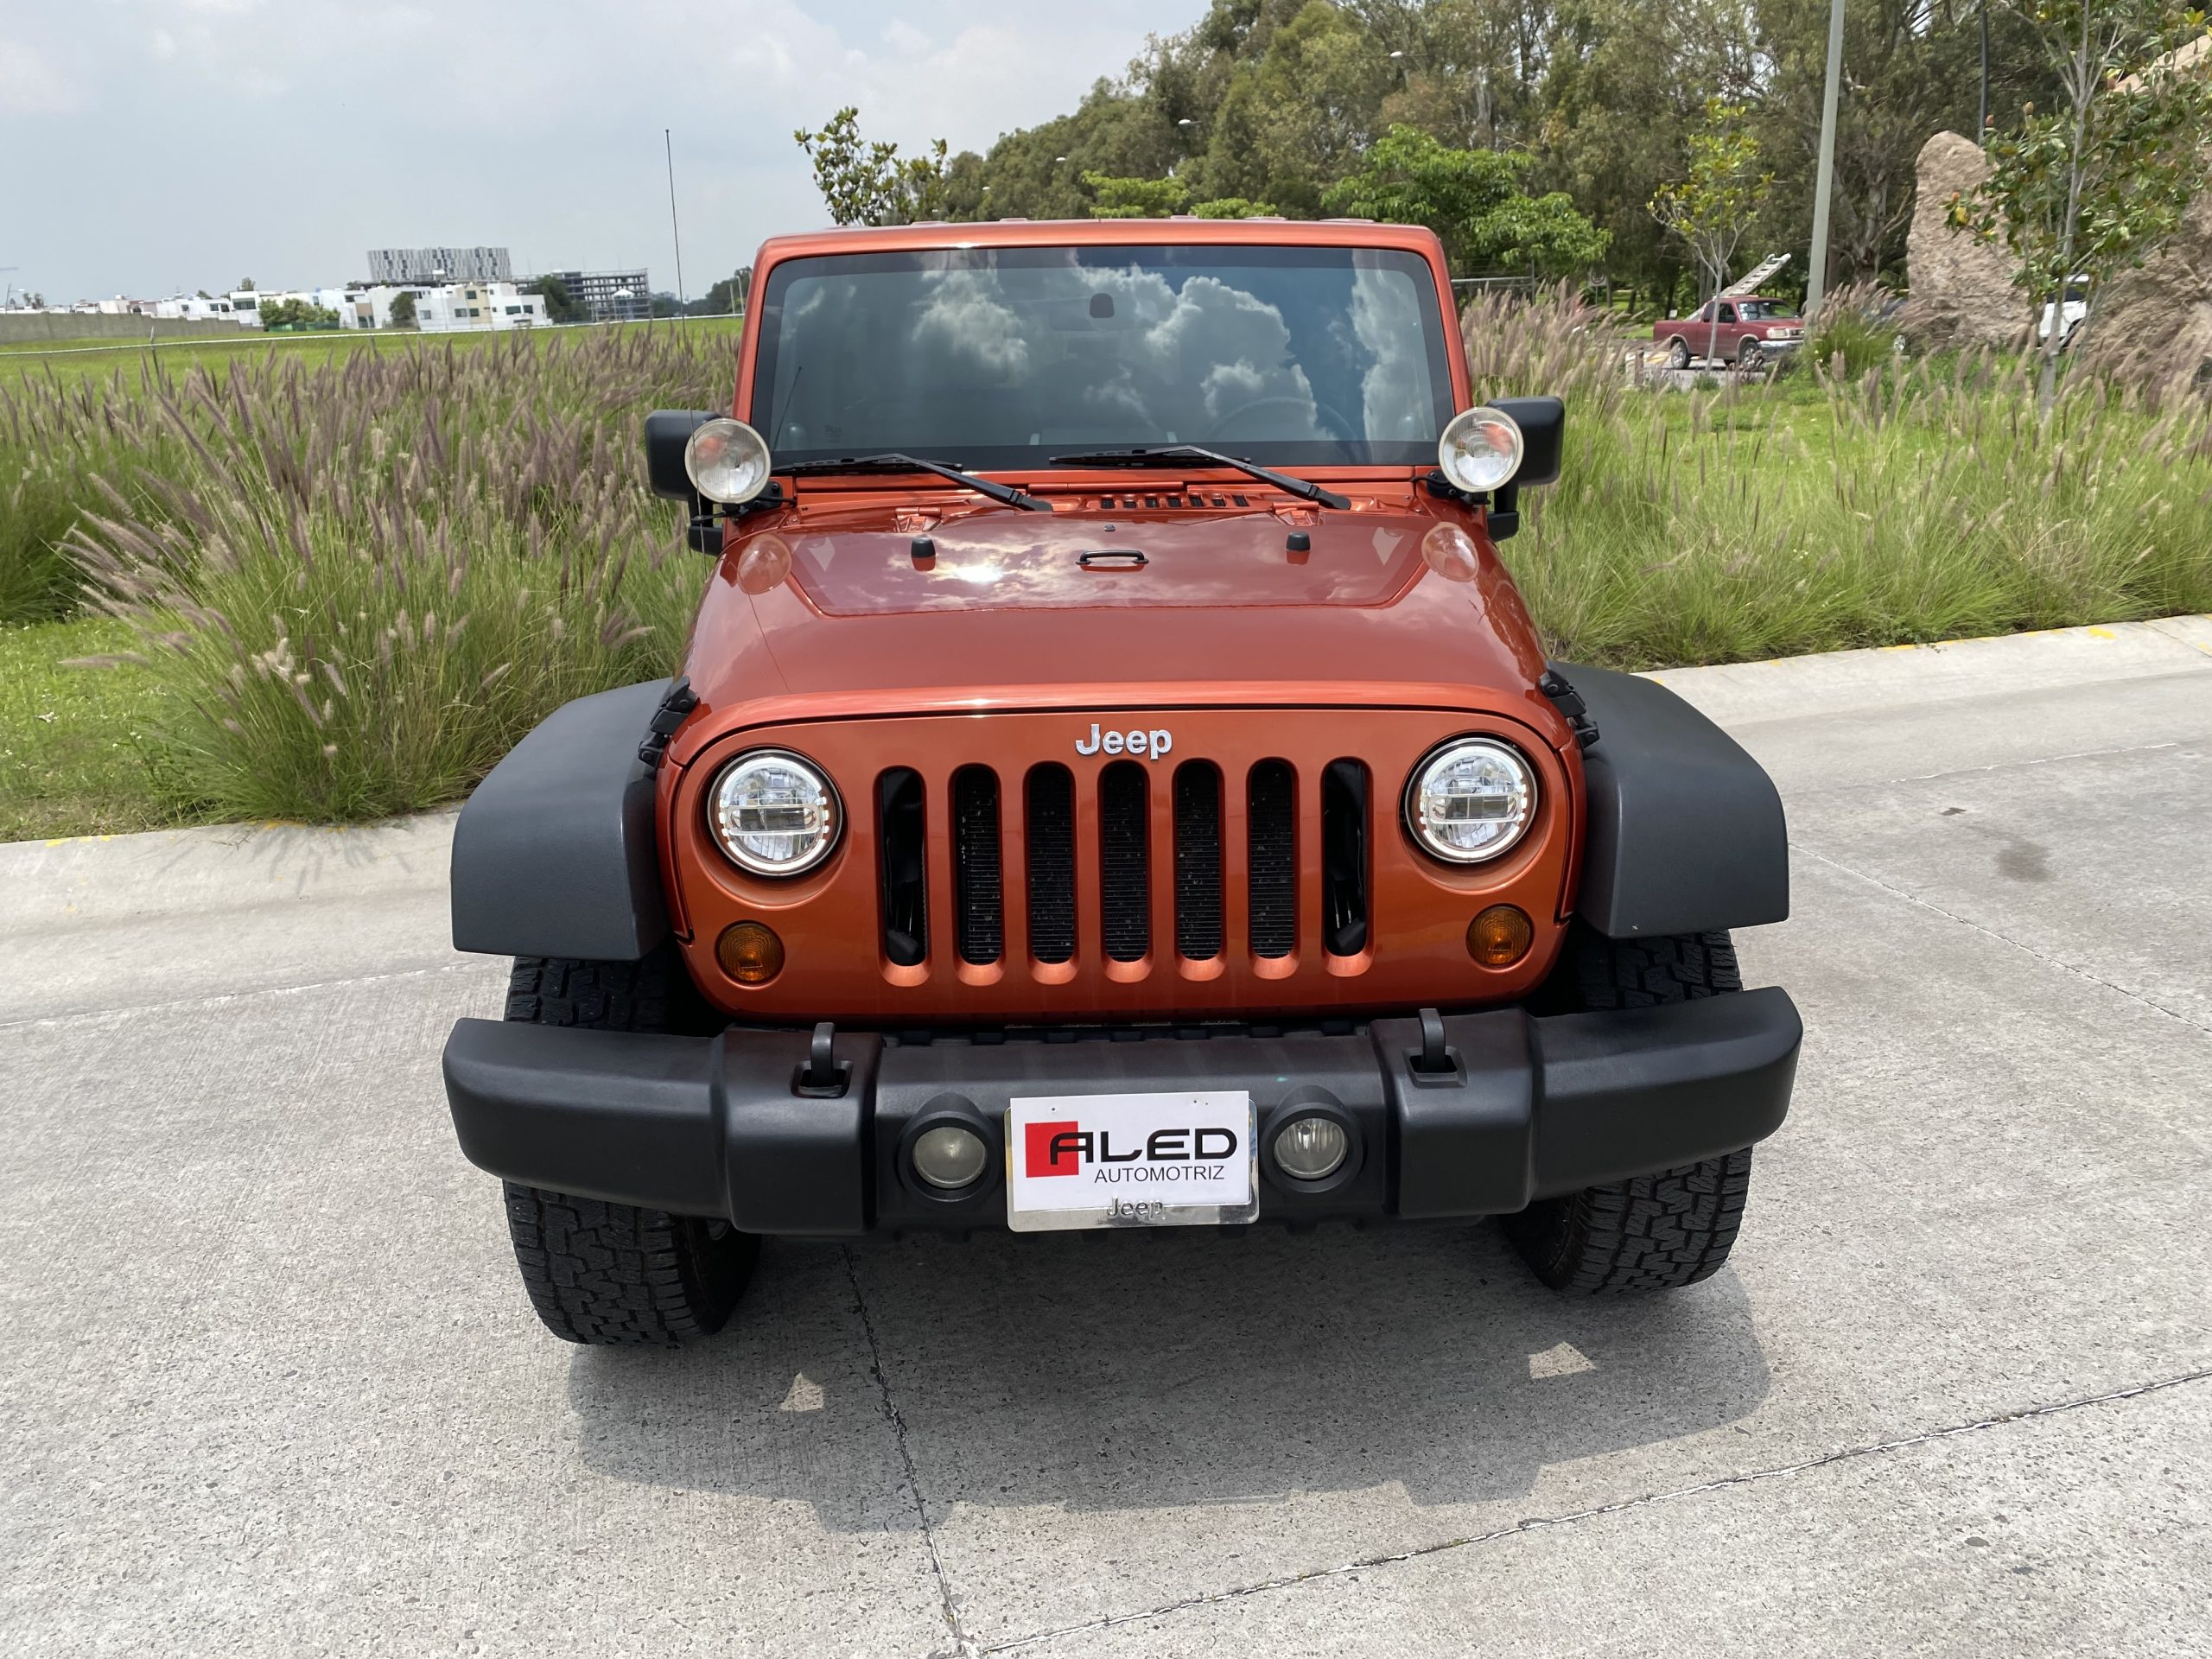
[667,432]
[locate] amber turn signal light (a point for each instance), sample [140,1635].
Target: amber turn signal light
[1498,937]
[751,954]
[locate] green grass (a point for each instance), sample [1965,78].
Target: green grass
[76,744]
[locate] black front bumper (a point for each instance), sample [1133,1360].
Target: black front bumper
[1526,1107]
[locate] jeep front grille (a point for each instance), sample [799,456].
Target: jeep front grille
[1117,841]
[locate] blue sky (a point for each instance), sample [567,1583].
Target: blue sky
[152,145]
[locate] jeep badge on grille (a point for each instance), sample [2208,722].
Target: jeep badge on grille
[1155,743]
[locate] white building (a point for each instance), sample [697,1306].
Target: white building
[463,307]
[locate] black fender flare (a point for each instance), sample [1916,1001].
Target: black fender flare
[1685,831]
[555,853]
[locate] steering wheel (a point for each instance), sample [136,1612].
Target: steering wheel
[1328,418]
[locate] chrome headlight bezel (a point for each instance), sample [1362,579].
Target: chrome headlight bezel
[727,461]
[1481,450]
[827,804]
[1525,797]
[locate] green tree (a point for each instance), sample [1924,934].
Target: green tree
[1113,198]
[561,305]
[1234,208]
[865,183]
[297,314]
[2100,183]
[1717,205]
[1470,198]
[402,310]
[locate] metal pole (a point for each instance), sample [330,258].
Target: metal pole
[1817,265]
[1981,115]
[668,146]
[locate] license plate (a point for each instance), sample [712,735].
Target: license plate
[1177,1160]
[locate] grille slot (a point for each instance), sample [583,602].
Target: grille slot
[1343,857]
[1271,800]
[1124,867]
[1198,859]
[1051,836]
[978,870]
[902,828]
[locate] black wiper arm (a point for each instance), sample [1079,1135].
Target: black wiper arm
[898,463]
[1304,490]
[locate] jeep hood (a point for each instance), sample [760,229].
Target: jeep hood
[1390,602]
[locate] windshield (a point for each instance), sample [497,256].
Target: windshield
[1005,356]
[1762,310]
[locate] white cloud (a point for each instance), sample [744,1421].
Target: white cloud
[30,84]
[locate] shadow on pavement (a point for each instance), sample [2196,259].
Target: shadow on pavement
[1109,1372]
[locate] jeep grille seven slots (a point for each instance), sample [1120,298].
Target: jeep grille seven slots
[1112,782]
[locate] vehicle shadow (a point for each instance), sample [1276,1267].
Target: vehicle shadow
[1107,1372]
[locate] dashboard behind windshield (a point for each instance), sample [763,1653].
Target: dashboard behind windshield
[1005,356]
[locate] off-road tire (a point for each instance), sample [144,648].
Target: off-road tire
[606,1273]
[1649,1232]
[1678,354]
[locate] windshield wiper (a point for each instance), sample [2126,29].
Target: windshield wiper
[898,463]
[1172,451]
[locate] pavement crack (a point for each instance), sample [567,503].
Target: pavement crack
[962,1645]
[2044,957]
[1596,1511]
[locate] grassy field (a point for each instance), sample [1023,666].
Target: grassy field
[337,586]
[133,362]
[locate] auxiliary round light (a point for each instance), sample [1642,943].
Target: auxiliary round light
[949,1157]
[1311,1148]
[774,813]
[1500,936]
[727,461]
[1470,799]
[1481,449]
[750,952]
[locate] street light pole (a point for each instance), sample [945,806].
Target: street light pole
[1981,115]
[1817,265]
[668,148]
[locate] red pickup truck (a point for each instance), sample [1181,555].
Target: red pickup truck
[1752,331]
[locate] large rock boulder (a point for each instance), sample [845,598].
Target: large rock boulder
[1962,286]
[2155,324]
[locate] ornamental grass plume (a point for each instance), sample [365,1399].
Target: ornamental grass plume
[366,581]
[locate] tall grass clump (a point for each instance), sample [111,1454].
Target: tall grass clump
[56,441]
[364,583]
[1918,501]
[1853,332]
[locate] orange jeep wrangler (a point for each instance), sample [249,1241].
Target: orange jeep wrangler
[1113,783]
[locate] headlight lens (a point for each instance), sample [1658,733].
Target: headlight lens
[774,814]
[1480,449]
[1470,800]
[727,461]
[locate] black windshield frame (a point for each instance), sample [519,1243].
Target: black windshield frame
[770,298]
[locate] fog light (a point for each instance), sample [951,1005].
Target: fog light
[949,1156]
[1500,937]
[750,953]
[1311,1148]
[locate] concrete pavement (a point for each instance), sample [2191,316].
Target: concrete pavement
[271,1385]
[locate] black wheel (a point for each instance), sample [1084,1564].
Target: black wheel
[615,1273]
[1650,1232]
[1678,353]
[1750,357]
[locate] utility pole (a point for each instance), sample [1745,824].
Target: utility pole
[1817,266]
[668,148]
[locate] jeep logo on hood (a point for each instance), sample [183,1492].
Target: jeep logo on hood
[1155,743]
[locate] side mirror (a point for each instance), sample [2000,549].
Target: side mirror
[667,432]
[1542,422]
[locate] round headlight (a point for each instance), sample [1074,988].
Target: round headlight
[1470,800]
[773,813]
[727,461]
[1480,449]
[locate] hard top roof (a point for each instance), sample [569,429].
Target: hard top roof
[1096,233]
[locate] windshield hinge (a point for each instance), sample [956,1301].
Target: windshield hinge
[1565,698]
[674,708]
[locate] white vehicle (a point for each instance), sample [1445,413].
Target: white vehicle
[2075,307]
